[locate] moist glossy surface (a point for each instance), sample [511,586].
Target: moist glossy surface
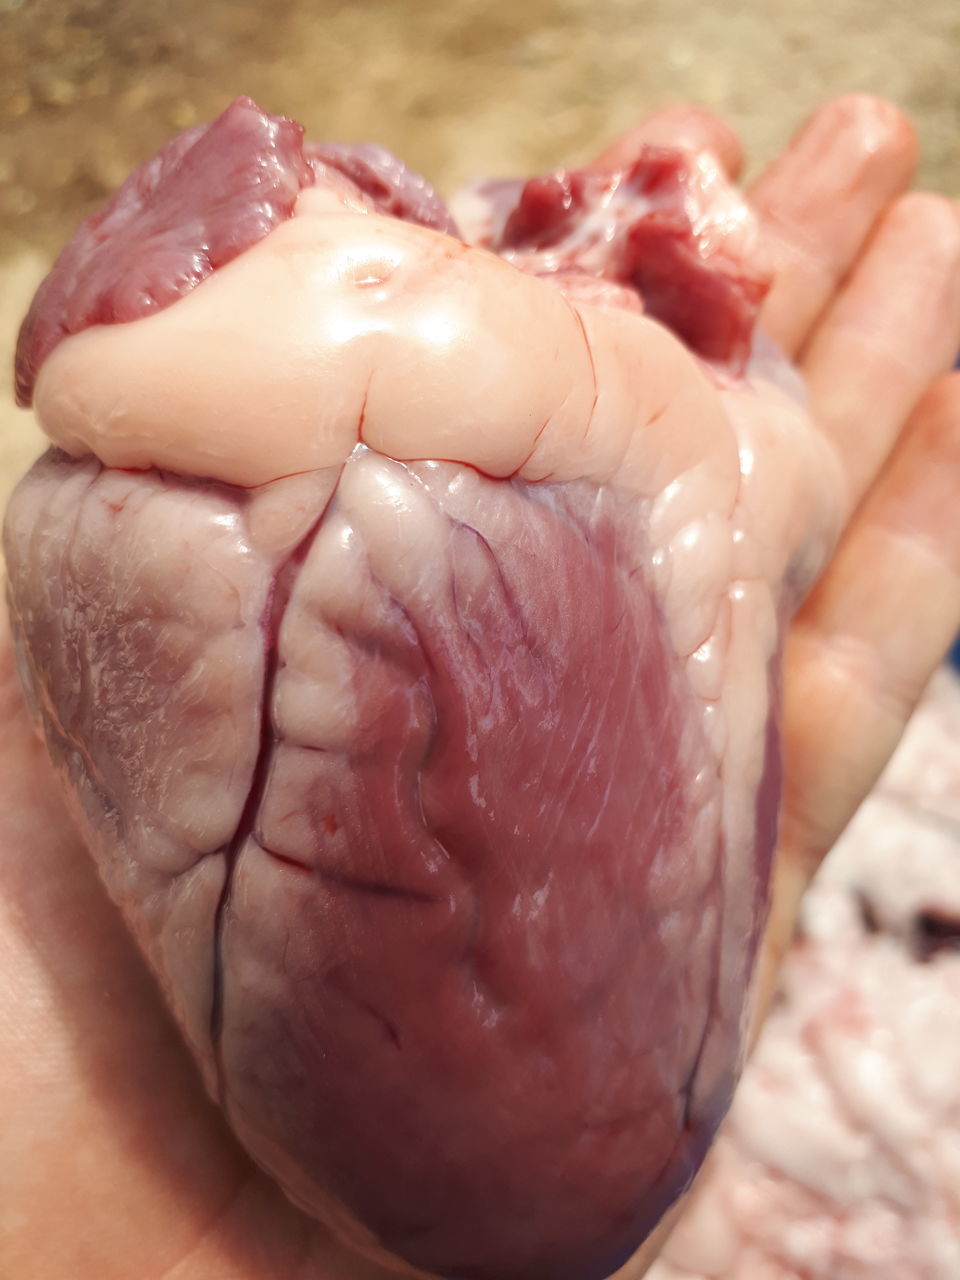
[404,625]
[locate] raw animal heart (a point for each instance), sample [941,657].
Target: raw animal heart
[402,615]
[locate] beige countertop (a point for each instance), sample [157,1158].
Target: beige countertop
[89,88]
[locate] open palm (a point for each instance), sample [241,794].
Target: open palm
[113,1163]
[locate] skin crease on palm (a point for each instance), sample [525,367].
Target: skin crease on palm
[104,1115]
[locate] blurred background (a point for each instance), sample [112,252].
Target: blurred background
[460,88]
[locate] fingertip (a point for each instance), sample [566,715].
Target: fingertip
[819,203]
[854,142]
[879,123]
[865,125]
[932,218]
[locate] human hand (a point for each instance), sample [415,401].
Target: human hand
[103,1115]
[866,302]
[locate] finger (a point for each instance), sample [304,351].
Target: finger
[865,645]
[688,127]
[818,202]
[891,331]
[99,1105]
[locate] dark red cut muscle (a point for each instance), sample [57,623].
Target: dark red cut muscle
[393,188]
[656,227]
[205,197]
